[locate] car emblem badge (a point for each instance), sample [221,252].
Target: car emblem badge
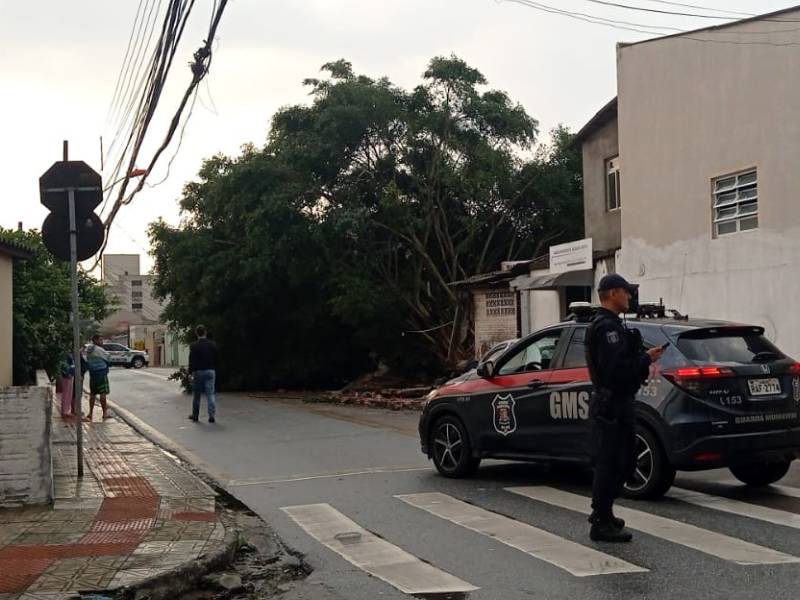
[505,420]
[765,369]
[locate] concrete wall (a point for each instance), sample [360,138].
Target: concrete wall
[495,313]
[601,225]
[26,469]
[6,320]
[690,112]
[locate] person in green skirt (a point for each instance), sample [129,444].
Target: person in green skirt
[98,360]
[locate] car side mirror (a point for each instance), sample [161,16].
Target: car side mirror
[486,370]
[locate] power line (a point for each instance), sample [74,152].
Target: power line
[175,21]
[587,19]
[680,14]
[658,11]
[124,60]
[719,10]
[658,30]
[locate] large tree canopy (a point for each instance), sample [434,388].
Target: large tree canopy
[346,230]
[42,308]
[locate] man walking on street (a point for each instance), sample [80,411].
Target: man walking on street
[97,361]
[203,367]
[618,365]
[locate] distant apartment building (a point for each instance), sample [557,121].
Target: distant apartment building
[133,294]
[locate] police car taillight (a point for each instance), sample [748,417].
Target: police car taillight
[692,378]
[794,369]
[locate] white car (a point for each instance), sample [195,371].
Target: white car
[126,357]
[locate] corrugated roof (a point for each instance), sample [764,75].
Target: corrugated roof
[14,248]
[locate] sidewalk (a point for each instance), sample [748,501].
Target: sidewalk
[137,514]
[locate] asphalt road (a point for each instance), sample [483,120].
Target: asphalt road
[349,488]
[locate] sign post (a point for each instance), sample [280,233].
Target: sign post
[72,232]
[76,327]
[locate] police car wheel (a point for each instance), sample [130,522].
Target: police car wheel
[761,474]
[451,449]
[652,474]
[138,362]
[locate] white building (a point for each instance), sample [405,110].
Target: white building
[133,294]
[696,162]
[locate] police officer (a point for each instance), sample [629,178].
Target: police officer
[619,365]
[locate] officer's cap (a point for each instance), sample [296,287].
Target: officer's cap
[614,281]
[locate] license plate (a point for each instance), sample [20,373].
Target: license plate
[764,387]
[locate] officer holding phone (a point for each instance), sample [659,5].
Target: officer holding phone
[618,365]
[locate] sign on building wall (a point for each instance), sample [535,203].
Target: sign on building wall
[501,304]
[572,256]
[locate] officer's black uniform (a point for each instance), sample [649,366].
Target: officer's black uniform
[618,365]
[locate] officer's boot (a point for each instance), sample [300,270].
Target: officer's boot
[595,517]
[605,530]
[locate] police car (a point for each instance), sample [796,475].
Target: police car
[721,396]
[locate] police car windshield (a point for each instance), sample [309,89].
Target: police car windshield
[722,347]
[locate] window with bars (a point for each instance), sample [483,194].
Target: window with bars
[136,295]
[613,201]
[735,202]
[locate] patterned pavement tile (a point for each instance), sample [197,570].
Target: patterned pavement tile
[136,513]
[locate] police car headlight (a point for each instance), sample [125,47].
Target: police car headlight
[434,393]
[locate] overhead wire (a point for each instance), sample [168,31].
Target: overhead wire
[680,14]
[124,65]
[710,8]
[659,30]
[175,21]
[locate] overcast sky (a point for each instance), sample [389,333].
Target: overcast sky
[60,60]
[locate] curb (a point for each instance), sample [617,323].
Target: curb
[184,578]
[193,463]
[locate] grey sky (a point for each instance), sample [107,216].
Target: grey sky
[59,63]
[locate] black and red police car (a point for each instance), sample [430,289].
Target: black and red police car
[721,396]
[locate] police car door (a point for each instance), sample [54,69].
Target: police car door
[568,403]
[519,401]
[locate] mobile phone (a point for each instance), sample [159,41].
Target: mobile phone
[665,346]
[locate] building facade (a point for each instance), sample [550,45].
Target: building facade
[9,252]
[705,180]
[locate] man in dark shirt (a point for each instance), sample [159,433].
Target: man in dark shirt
[203,367]
[618,365]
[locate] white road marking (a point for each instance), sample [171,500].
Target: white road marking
[565,554]
[334,475]
[702,540]
[160,377]
[372,554]
[736,507]
[783,490]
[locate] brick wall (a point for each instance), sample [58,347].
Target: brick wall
[495,318]
[26,469]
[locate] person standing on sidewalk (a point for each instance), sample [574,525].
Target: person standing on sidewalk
[97,361]
[618,366]
[203,367]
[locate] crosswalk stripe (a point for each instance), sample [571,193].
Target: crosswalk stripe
[784,490]
[372,554]
[565,554]
[703,540]
[736,507]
